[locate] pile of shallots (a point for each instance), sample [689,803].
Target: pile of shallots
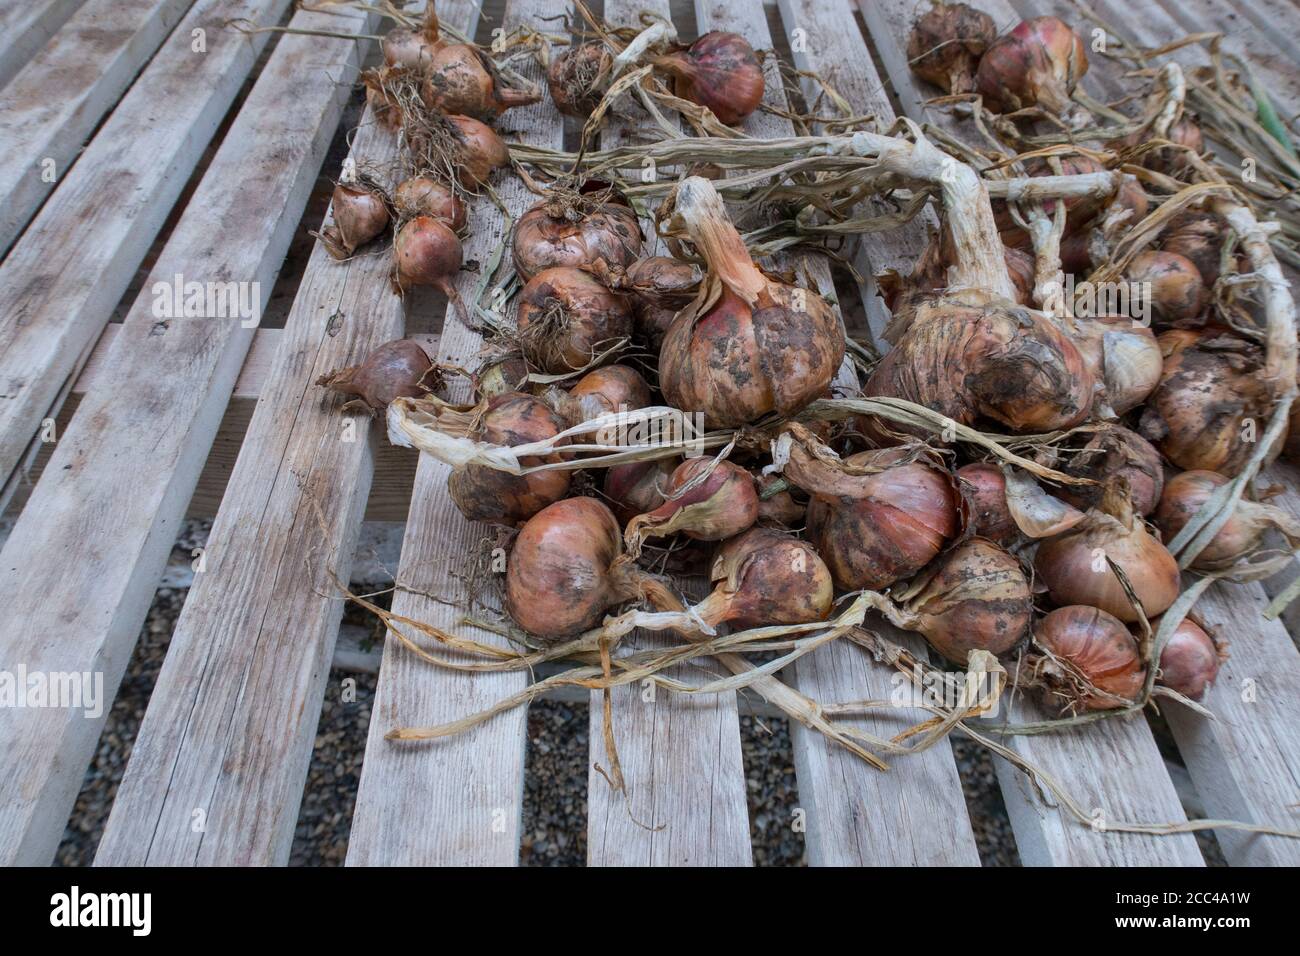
[1101,434]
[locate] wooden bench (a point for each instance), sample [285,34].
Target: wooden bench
[153,418]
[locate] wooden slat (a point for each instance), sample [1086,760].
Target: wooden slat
[62,280]
[855,815]
[684,802]
[104,518]
[182,799]
[24,29]
[456,801]
[1246,762]
[54,102]
[1136,786]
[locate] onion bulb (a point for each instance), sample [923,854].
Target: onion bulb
[1236,541]
[1172,285]
[360,213]
[397,369]
[976,598]
[500,374]
[1212,403]
[411,49]
[1123,356]
[576,78]
[567,320]
[476,150]
[985,487]
[658,286]
[946,44]
[1074,565]
[975,357]
[777,507]
[460,80]
[425,196]
[1190,660]
[426,252]
[1197,236]
[610,389]
[1038,63]
[1115,450]
[720,71]
[575,231]
[1092,662]
[878,516]
[637,487]
[765,578]
[487,494]
[747,344]
[567,568]
[704,499]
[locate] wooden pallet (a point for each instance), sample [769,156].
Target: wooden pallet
[154,418]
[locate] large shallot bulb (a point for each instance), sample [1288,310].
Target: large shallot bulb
[1074,565]
[1175,288]
[747,344]
[946,45]
[878,516]
[1212,403]
[719,71]
[766,578]
[567,320]
[975,598]
[613,388]
[1115,450]
[704,499]
[1123,356]
[575,232]
[974,357]
[397,369]
[1236,541]
[427,252]
[985,487]
[567,568]
[425,196]
[576,77]
[487,494]
[1091,661]
[360,214]
[1038,63]
[460,80]
[1190,660]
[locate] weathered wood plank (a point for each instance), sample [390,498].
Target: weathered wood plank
[103,520]
[54,102]
[456,801]
[1246,761]
[684,802]
[62,280]
[915,813]
[227,652]
[25,28]
[1080,760]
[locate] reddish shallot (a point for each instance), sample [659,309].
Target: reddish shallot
[397,369]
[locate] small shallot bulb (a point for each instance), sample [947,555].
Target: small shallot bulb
[704,499]
[946,44]
[1115,450]
[974,357]
[1209,403]
[575,78]
[1236,541]
[397,369]
[1075,570]
[567,568]
[1190,661]
[476,150]
[747,344]
[659,287]
[1038,63]
[359,213]
[638,486]
[412,49]
[567,320]
[1172,285]
[500,374]
[977,598]
[1123,356]
[765,578]
[879,516]
[487,494]
[1198,236]
[610,389]
[427,252]
[425,196]
[1092,661]
[719,71]
[985,488]
[460,80]
[554,234]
